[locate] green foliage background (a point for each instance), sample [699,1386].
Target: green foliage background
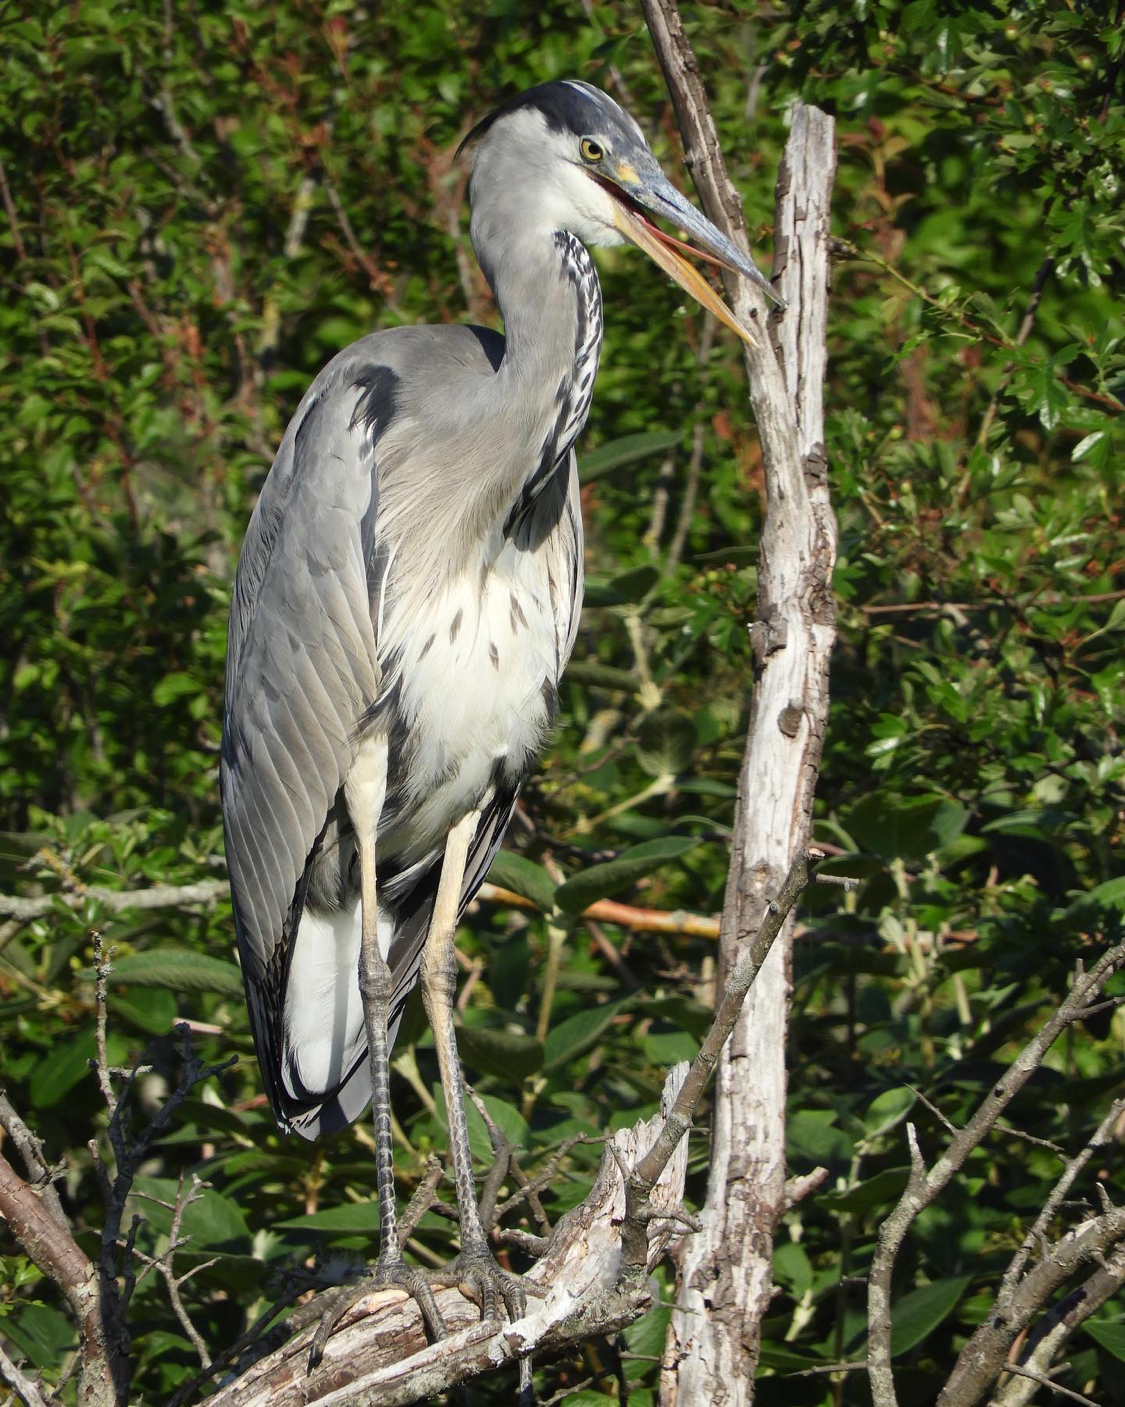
[203,202]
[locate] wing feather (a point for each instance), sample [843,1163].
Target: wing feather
[302,668]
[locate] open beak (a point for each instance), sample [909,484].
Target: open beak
[662,198]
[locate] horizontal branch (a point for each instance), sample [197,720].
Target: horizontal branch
[996,603]
[378,1353]
[210,891]
[157,896]
[623,915]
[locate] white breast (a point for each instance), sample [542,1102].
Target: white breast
[474,686]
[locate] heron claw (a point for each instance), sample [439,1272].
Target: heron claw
[388,1273]
[476,1273]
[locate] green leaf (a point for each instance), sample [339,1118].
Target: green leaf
[635,584]
[508,1120]
[626,450]
[646,1338]
[152,1010]
[1085,446]
[613,876]
[792,1267]
[1110,1336]
[524,877]
[810,1134]
[178,969]
[888,1108]
[1110,894]
[920,1312]
[60,1070]
[510,1055]
[886,1186]
[577,1033]
[173,687]
[42,1334]
[906,827]
[352,1219]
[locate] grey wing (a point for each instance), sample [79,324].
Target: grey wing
[301,671]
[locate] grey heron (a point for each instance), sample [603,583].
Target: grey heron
[406,600]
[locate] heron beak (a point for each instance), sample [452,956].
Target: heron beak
[663,199]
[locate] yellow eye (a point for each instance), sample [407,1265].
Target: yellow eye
[590,150]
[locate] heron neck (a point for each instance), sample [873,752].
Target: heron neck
[547,290]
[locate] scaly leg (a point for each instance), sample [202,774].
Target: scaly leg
[475,1267]
[365,790]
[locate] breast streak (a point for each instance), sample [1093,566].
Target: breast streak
[472,696]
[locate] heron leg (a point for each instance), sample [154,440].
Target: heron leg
[365,790]
[474,1268]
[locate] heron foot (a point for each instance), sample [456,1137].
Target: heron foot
[390,1272]
[476,1273]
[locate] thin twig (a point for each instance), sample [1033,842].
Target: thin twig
[102,969]
[164,1265]
[422,1199]
[1021,337]
[1044,1381]
[639,1184]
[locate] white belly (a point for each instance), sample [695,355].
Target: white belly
[474,669]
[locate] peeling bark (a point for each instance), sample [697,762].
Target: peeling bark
[725,1272]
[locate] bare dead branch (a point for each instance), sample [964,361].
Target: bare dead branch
[730,1262]
[378,1352]
[798,1188]
[102,969]
[157,896]
[21,1385]
[1057,1326]
[925,1185]
[985,1355]
[422,1200]
[1102,1136]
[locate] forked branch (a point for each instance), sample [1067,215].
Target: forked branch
[983,1357]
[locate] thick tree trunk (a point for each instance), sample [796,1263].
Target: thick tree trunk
[725,1272]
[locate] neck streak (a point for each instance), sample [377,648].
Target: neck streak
[551,304]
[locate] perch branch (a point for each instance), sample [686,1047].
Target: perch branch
[378,1352]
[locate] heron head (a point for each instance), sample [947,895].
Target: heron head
[566,156]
